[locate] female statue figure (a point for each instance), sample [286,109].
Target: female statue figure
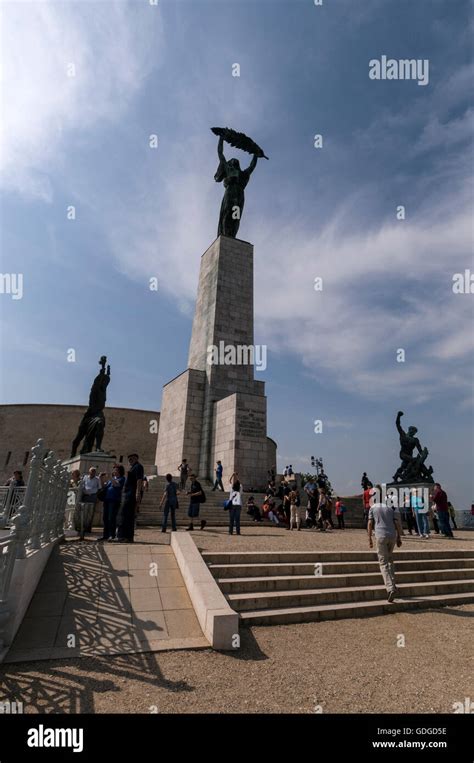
[235,181]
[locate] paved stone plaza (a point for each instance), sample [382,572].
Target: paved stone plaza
[105,597]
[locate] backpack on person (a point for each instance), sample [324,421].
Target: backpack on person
[202,499]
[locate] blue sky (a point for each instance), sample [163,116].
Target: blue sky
[330,212]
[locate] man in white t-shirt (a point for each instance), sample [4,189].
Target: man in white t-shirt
[90,485]
[386,524]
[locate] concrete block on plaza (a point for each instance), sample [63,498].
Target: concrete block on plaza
[219,623]
[225,629]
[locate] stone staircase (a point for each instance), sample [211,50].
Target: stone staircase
[299,586]
[213,512]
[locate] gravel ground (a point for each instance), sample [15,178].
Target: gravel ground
[262,538]
[349,666]
[344,666]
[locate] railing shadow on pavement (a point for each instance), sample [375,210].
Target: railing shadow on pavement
[68,684]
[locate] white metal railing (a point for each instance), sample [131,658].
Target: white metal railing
[11,499]
[37,522]
[70,510]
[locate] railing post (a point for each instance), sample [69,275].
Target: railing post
[61,481]
[7,563]
[24,520]
[9,501]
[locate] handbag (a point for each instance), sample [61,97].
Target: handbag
[227,504]
[101,493]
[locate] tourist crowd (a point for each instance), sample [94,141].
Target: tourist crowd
[385,523]
[311,506]
[120,494]
[285,506]
[416,513]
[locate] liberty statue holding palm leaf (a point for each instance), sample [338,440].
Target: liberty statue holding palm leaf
[235,179]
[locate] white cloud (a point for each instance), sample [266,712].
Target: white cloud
[350,332]
[437,134]
[42,106]
[459,341]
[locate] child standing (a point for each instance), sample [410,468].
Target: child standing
[340,509]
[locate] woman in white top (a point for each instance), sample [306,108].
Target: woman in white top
[235,507]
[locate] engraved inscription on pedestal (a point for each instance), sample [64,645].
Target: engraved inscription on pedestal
[252,423]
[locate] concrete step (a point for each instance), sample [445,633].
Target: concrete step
[214,518]
[351,609]
[332,568]
[299,582]
[258,601]
[183,500]
[314,557]
[215,513]
[151,501]
[184,522]
[214,510]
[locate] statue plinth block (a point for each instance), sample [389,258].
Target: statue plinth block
[101,461]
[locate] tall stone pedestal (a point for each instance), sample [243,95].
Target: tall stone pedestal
[216,410]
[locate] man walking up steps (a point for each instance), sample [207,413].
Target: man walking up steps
[386,524]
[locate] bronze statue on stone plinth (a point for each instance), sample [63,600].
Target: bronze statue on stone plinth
[91,429]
